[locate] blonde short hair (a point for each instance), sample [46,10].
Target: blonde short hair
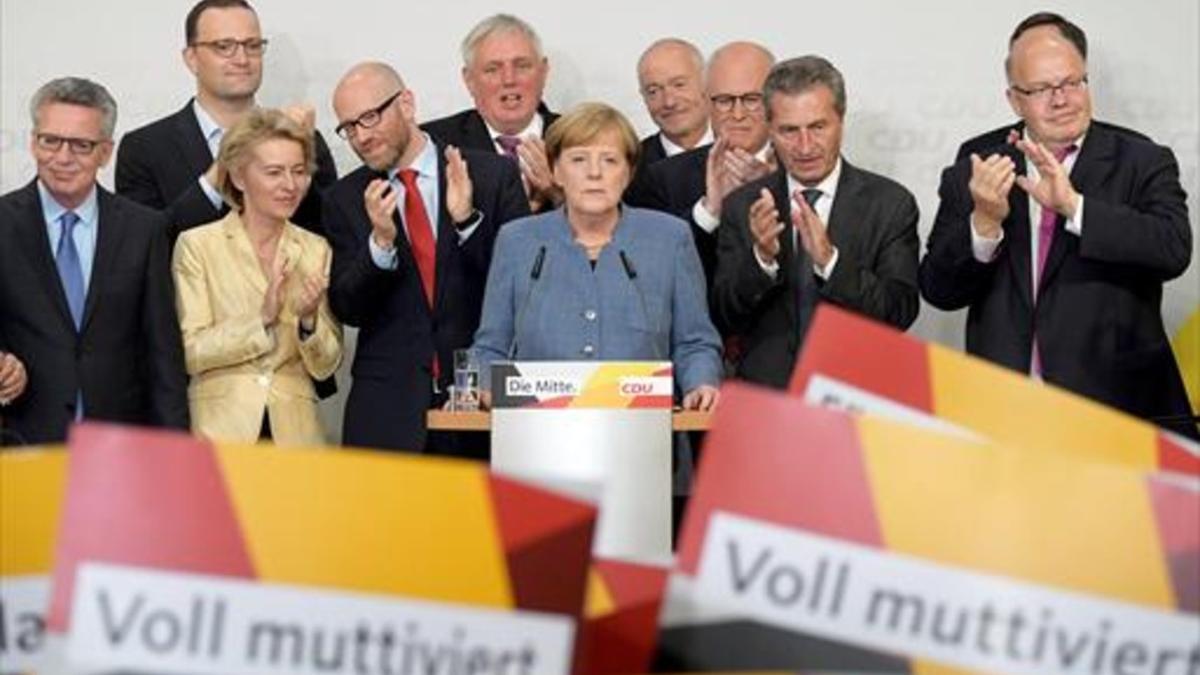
[583,123]
[261,124]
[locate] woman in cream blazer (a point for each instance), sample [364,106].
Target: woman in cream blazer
[250,291]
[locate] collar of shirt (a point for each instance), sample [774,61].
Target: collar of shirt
[1068,163]
[209,128]
[426,166]
[534,128]
[827,186]
[671,149]
[52,210]
[85,230]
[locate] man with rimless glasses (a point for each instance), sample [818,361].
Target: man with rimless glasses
[168,164]
[87,312]
[1058,232]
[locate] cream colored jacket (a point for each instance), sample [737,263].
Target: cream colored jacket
[238,368]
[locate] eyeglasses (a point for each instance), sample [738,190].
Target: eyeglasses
[366,120]
[78,146]
[1046,92]
[751,101]
[228,47]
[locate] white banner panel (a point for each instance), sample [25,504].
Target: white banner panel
[166,622]
[905,605]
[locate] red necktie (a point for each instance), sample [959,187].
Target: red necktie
[420,237]
[420,232]
[1046,228]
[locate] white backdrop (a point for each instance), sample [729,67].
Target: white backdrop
[921,75]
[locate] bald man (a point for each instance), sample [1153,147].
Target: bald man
[412,233]
[671,80]
[694,184]
[1057,234]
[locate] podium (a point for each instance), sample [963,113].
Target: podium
[588,426]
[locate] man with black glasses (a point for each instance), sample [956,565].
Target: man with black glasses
[412,233]
[87,312]
[1058,232]
[168,164]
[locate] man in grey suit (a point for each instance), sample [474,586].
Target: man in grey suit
[818,229]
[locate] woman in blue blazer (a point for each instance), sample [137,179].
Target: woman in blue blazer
[595,279]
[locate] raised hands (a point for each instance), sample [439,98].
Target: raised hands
[1052,189]
[539,178]
[458,186]
[273,300]
[991,181]
[765,226]
[727,169]
[380,201]
[810,230]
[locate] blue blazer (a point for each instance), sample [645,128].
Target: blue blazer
[645,300]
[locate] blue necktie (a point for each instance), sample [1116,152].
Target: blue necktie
[69,269]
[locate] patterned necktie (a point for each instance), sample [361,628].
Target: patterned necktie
[508,144]
[420,232]
[806,288]
[70,271]
[1046,228]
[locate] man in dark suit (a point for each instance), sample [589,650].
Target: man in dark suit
[87,314]
[694,184]
[671,80]
[776,258]
[168,164]
[1063,276]
[505,70]
[412,234]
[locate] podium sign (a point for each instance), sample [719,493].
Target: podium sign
[576,425]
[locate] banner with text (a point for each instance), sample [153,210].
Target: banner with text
[818,540]
[408,562]
[582,384]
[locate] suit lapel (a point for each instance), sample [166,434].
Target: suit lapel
[1017,232]
[190,141]
[36,243]
[476,132]
[847,205]
[447,236]
[110,230]
[242,255]
[1087,175]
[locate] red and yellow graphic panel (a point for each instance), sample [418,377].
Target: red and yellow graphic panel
[852,363]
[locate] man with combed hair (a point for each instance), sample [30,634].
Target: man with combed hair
[169,164]
[694,184]
[88,328]
[412,233]
[505,70]
[817,230]
[1058,232]
[671,80]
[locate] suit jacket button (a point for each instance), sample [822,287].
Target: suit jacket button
[590,315]
[588,350]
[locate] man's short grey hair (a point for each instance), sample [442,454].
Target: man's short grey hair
[497,23]
[692,50]
[77,91]
[798,75]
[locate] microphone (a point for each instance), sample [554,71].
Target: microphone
[535,273]
[631,272]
